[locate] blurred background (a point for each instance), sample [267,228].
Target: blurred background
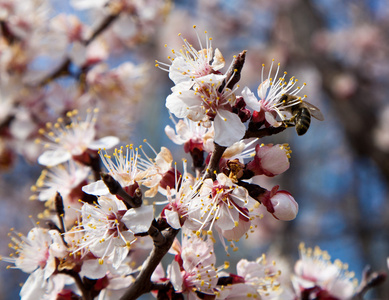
[339,170]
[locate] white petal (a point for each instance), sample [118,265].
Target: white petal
[54,157]
[175,70]
[274,159]
[34,287]
[120,253]
[271,120]
[228,128]
[139,219]
[182,103]
[285,207]
[86,4]
[97,188]
[227,217]
[172,218]
[92,269]
[250,99]
[263,89]
[182,86]
[104,143]
[171,134]
[237,232]
[175,277]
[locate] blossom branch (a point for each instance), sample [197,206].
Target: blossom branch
[254,190]
[263,132]
[213,164]
[60,211]
[156,235]
[116,189]
[370,280]
[233,72]
[85,292]
[143,283]
[64,68]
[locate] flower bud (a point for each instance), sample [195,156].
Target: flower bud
[270,160]
[284,205]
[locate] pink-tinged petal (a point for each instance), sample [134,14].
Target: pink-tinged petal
[171,134]
[272,120]
[118,283]
[228,128]
[34,287]
[164,159]
[250,99]
[285,207]
[104,143]
[139,219]
[226,218]
[263,89]
[172,218]
[119,254]
[174,274]
[237,232]
[53,158]
[97,188]
[240,291]
[218,60]
[158,273]
[274,160]
[184,130]
[341,289]
[92,269]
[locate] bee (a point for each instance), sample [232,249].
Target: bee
[301,112]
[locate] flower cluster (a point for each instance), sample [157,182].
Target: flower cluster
[317,277]
[67,46]
[106,241]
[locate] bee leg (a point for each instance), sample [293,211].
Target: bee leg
[290,122]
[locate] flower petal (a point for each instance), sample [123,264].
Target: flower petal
[54,157]
[104,143]
[228,128]
[97,188]
[139,219]
[250,99]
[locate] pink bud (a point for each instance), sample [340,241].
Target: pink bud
[284,205]
[270,160]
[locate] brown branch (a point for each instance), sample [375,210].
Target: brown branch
[370,280]
[85,292]
[264,132]
[143,283]
[213,165]
[115,188]
[234,71]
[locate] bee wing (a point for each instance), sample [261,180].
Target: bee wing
[315,112]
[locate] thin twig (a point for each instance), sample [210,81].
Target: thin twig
[264,132]
[143,283]
[213,164]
